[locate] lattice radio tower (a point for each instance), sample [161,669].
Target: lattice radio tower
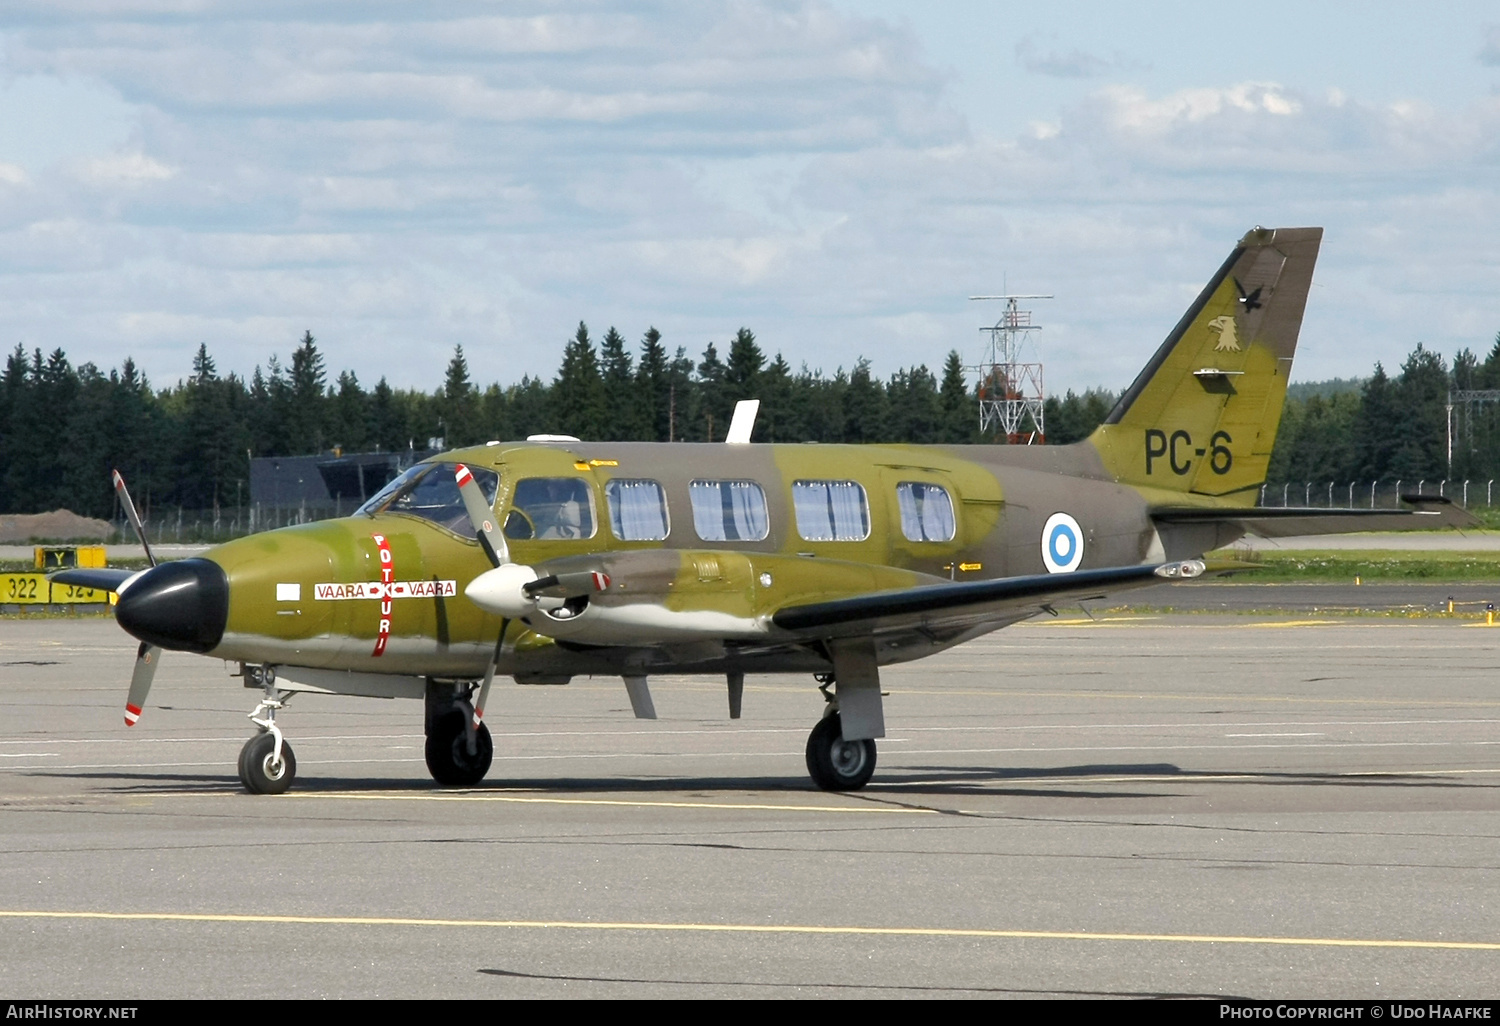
[1010,391]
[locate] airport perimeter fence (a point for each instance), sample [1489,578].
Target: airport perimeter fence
[177,525]
[1383,494]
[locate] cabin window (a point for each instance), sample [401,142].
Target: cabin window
[637,510]
[430,491]
[926,512]
[831,510]
[729,510]
[551,508]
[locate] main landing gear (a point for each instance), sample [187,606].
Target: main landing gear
[458,751]
[267,765]
[836,764]
[841,748]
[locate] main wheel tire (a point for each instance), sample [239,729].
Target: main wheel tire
[243,750]
[258,770]
[447,751]
[836,764]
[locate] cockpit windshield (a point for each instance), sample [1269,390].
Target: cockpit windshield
[430,491]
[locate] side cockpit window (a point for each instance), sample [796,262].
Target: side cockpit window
[430,491]
[926,512]
[729,510]
[551,509]
[637,510]
[831,510]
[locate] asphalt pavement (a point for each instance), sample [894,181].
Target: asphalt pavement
[1285,806]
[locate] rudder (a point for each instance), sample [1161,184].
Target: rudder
[1201,417]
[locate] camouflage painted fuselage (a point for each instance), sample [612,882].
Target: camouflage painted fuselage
[1001,497]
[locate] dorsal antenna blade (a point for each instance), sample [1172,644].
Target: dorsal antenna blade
[743,422]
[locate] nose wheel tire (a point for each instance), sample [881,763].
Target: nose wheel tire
[448,757]
[260,772]
[836,764]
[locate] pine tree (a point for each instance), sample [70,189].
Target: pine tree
[622,419]
[743,369]
[86,436]
[1374,441]
[683,400]
[211,437]
[864,407]
[960,408]
[822,403]
[779,419]
[916,408]
[495,414]
[388,428]
[531,408]
[654,387]
[351,414]
[134,417]
[710,414]
[458,405]
[307,410]
[578,393]
[1422,430]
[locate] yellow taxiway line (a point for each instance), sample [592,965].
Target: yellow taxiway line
[519,800]
[751,928]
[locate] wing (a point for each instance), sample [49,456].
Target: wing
[950,608]
[1428,513]
[102,578]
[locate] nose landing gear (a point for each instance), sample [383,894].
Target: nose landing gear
[458,750]
[267,765]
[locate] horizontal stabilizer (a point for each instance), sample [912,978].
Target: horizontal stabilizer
[1428,514]
[102,578]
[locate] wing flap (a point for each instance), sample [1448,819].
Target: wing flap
[1428,513]
[969,603]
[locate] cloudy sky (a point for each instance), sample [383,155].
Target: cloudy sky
[839,175]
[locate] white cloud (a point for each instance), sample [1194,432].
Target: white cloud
[1133,110]
[124,169]
[401,179]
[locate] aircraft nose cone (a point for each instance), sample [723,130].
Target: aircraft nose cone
[182,605]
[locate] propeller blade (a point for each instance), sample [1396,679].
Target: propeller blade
[489,675]
[580,582]
[140,531]
[481,517]
[140,682]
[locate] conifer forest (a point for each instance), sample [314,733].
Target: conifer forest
[188,445]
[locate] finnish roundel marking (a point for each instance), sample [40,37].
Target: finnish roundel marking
[1062,544]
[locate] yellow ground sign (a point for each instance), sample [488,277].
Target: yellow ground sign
[36,590]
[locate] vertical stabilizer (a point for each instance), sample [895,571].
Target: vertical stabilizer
[1201,417]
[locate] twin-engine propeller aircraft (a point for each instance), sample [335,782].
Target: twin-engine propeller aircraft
[546,559]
